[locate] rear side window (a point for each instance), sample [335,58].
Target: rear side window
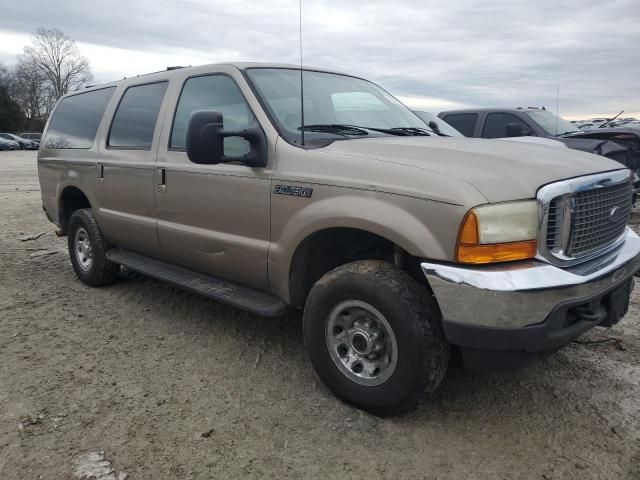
[135,120]
[217,93]
[76,120]
[496,125]
[465,123]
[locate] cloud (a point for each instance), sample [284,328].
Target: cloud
[433,54]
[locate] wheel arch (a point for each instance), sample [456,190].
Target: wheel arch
[401,226]
[70,199]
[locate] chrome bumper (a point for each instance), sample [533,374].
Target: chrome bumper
[511,296]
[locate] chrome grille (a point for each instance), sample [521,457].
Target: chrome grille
[554,219]
[592,225]
[583,217]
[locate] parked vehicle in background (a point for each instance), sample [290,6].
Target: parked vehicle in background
[23,142]
[397,244]
[437,124]
[31,136]
[624,135]
[537,122]
[8,144]
[598,121]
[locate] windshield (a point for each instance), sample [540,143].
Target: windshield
[442,126]
[552,124]
[333,106]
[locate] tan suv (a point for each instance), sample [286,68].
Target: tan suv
[398,243]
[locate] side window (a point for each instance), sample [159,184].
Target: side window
[495,126]
[217,93]
[135,120]
[465,123]
[76,120]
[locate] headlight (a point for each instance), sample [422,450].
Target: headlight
[498,233]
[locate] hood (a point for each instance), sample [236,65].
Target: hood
[538,140]
[501,171]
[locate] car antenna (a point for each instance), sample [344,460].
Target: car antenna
[301,82]
[611,119]
[557,109]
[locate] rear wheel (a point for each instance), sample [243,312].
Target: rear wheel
[374,337]
[88,250]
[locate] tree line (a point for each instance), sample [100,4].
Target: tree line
[47,69]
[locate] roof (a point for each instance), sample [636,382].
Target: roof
[495,109]
[170,71]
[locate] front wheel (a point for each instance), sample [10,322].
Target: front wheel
[374,337]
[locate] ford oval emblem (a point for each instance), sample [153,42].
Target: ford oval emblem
[615,214]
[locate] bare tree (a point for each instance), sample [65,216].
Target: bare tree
[30,88]
[11,117]
[57,57]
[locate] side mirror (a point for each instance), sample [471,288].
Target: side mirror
[434,126]
[205,141]
[514,130]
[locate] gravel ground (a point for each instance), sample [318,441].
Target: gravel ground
[144,380]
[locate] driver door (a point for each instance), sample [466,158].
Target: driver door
[213,218]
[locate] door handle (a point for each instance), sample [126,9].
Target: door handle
[100,176]
[161,187]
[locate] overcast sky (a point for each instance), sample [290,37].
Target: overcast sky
[434,55]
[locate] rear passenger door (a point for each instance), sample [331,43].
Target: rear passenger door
[213,218]
[125,173]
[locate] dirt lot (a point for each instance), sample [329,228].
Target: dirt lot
[170,385]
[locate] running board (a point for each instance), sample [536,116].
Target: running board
[246,298]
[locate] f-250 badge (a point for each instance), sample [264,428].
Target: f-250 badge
[293,191]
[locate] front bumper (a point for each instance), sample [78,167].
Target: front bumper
[526,306]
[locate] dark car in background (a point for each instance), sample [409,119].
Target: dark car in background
[24,143]
[8,144]
[629,136]
[539,122]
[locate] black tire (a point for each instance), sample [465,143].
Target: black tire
[100,271]
[414,318]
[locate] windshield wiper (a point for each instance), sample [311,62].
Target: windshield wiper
[335,128]
[346,129]
[418,131]
[610,120]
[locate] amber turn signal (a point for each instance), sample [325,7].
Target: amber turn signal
[497,252]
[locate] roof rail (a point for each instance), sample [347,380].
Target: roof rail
[175,67]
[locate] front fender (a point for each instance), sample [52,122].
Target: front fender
[423,228]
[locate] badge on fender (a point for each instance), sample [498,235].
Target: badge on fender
[293,191]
